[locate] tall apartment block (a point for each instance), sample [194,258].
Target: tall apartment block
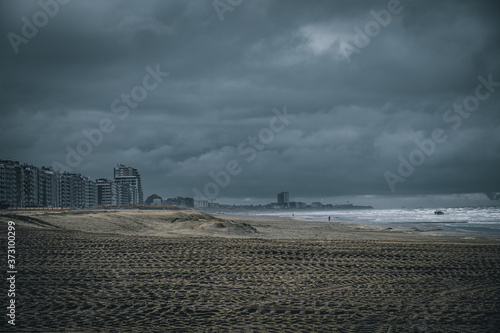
[283,199]
[19,184]
[10,183]
[128,186]
[89,192]
[29,186]
[77,191]
[106,192]
[48,188]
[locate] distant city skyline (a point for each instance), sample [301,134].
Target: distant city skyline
[432,201]
[24,185]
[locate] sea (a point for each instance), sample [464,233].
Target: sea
[462,221]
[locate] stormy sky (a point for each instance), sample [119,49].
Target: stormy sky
[387,101]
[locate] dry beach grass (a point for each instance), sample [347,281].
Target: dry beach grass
[99,271]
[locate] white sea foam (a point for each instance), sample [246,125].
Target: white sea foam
[465,219]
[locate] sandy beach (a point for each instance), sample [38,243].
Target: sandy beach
[155,271]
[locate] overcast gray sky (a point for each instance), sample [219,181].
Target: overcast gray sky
[358,106]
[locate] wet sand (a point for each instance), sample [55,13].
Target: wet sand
[160,271]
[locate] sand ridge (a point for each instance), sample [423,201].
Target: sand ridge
[168,223]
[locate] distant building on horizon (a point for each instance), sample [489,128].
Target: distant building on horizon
[180,201]
[299,204]
[283,199]
[201,204]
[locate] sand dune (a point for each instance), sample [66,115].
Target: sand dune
[135,222]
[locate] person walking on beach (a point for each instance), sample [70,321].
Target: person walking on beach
[328,218]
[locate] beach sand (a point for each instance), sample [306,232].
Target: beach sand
[148,271]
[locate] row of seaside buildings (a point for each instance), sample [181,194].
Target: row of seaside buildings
[284,202]
[24,185]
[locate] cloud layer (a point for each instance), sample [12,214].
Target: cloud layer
[355,113]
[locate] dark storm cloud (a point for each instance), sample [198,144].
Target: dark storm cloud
[353,118]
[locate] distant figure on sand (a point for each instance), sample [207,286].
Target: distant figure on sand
[328,218]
